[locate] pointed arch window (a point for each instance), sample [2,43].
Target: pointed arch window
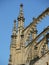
[43,49]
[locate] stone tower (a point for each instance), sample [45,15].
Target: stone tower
[16,47]
[28,48]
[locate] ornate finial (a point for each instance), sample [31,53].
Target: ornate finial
[14,21]
[21,10]
[14,28]
[21,5]
[14,25]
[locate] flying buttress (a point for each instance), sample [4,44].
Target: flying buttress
[30,29]
[30,46]
[43,33]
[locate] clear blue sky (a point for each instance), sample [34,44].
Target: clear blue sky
[9,10]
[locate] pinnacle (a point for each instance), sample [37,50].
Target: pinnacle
[14,28]
[21,15]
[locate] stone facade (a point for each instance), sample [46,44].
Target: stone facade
[28,48]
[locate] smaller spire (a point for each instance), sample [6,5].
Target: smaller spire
[14,28]
[21,15]
[21,10]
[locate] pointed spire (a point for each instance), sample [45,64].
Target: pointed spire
[14,28]
[21,15]
[21,10]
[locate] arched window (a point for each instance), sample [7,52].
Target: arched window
[48,43]
[43,49]
[48,40]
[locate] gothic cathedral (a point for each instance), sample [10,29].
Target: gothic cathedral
[28,48]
